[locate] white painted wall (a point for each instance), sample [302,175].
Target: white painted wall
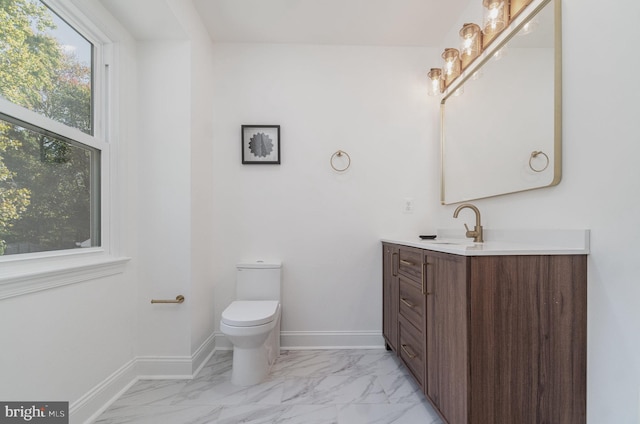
[201,225]
[324,226]
[175,200]
[164,196]
[599,190]
[64,343]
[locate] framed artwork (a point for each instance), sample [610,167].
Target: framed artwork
[261,144]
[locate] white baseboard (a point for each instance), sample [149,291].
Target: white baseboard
[97,400]
[319,340]
[331,340]
[202,354]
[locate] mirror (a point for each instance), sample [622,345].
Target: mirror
[501,120]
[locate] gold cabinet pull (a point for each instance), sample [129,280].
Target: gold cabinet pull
[409,354]
[179,299]
[409,304]
[405,262]
[394,270]
[424,277]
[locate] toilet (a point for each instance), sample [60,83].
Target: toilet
[252,321]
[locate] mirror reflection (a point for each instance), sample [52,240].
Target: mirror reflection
[501,124]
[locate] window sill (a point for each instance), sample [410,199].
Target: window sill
[17,279]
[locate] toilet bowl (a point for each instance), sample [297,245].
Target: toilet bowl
[252,323]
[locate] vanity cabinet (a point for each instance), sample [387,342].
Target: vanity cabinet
[446,340]
[412,311]
[390,296]
[491,339]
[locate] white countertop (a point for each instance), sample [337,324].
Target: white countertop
[504,242]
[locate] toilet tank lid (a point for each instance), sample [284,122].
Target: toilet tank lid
[259,265]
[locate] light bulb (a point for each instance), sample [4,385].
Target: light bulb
[451,68]
[470,43]
[435,82]
[496,16]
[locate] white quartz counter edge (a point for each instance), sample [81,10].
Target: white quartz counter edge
[565,242]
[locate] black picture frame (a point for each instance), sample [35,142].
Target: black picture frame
[260,144]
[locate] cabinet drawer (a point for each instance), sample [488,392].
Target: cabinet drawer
[411,350]
[411,303]
[410,262]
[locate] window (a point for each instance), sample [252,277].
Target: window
[50,152]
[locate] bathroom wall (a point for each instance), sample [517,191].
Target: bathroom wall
[599,191]
[324,226]
[175,200]
[164,197]
[64,343]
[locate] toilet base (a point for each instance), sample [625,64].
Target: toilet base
[254,351]
[250,366]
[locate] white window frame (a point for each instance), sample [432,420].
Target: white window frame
[31,272]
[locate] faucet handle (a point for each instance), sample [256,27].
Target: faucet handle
[468,230]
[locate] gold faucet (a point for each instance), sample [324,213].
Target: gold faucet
[477,230]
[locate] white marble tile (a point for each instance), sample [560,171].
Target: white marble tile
[370,362]
[306,363]
[160,414]
[304,387]
[400,388]
[151,392]
[210,392]
[266,393]
[219,365]
[333,390]
[294,414]
[388,414]
[318,363]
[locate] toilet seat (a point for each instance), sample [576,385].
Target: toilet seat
[249,313]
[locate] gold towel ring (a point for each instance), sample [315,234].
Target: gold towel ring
[339,153]
[534,155]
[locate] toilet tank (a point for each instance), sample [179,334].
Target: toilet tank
[258,280]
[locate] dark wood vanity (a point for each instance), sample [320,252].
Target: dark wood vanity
[490,339]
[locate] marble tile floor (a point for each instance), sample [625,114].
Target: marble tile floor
[304,387]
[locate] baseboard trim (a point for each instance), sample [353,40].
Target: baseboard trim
[93,403]
[331,340]
[97,400]
[298,340]
[202,354]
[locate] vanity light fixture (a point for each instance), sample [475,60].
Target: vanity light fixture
[517,6]
[451,67]
[435,82]
[470,43]
[474,40]
[496,18]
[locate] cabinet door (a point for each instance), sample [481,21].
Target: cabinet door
[528,339]
[447,371]
[390,295]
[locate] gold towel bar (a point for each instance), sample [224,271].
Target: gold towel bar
[179,299]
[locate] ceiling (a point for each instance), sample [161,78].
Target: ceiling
[342,22]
